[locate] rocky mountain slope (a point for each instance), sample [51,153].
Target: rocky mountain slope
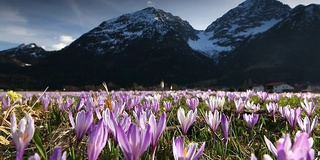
[143,47]
[239,25]
[23,55]
[289,51]
[115,35]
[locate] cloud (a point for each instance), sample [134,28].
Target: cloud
[10,15]
[58,46]
[64,40]
[18,31]
[150,4]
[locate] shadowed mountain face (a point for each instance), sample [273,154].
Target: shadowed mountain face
[151,45]
[146,61]
[287,52]
[143,47]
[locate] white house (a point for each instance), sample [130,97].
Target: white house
[258,88]
[279,87]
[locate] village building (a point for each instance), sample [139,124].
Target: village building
[278,87]
[258,88]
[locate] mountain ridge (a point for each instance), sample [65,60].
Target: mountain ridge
[160,46]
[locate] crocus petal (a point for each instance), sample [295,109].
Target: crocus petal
[253,157]
[123,142]
[267,157]
[301,142]
[191,150]
[287,143]
[97,139]
[157,129]
[71,119]
[199,153]
[181,115]
[57,153]
[145,140]
[23,135]
[225,127]
[314,123]
[178,148]
[35,157]
[270,146]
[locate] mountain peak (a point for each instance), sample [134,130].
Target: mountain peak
[24,47]
[116,34]
[27,46]
[250,3]
[302,18]
[150,9]
[313,9]
[245,21]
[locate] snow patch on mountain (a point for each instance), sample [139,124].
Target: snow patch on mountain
[265,25]
[206,46]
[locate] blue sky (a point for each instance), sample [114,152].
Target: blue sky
[56,23]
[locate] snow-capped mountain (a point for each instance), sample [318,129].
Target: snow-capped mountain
[147,43]
[114,35]
[289,51]
[24,49]
[260,40]
[23,55]
[238,25]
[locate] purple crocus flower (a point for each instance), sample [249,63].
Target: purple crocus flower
[64,106]
[192,103]
[45,100]
[6,103]
[188,153]
[274,97]
[251,119]
[292,115]
[186,121]
[141,118]
[156,129]
[306,125]
[272,108]
[262,95]
[82,124]
[301,149]
[23,134]
[252,107]
[57,154]
[309,107]
[68,103]
[81,102]
[225,121]
[155,105]
[112,122]
[212,103]
[167,105]
[97,139]
[134,142]
[239,106]
[213,120]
